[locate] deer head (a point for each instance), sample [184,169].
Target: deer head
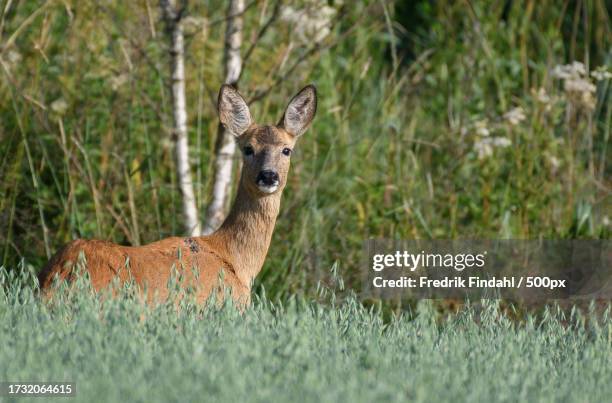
[266,149]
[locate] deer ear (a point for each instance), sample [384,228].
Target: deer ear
[233,110]
[300,111]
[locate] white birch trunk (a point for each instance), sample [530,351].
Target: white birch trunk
[226,144]
[185,182]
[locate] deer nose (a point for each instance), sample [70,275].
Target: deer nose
[267,178]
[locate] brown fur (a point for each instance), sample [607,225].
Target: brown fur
[232,256]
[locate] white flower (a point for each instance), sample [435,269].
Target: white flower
[564,72]
[59,106]
[515,115]
[485,146]
[601,73]
[482,128]
[501,142]
[579,68]
[577,84]
[560,72]
[542,96]
[554,162]
[311,23]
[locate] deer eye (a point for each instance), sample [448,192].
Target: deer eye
[286,151]
[248,150]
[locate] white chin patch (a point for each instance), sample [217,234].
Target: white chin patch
[267,189]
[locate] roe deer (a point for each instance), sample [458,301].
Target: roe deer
[238,248]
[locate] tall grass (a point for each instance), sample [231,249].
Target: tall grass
[418,134]
[118,349]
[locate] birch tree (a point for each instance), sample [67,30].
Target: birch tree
[173,12]
[226,146]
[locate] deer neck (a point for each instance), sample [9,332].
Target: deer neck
[247,231]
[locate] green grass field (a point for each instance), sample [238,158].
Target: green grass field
[300,351]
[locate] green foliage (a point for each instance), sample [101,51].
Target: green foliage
[120,350]
[457,124]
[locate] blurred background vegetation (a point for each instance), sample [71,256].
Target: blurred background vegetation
[437,119]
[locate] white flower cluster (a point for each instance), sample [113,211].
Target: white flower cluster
[542,97]
[515,116]
[311,23]
[485,145]
[601,73]
[482,128]
[59,106]
[577,84]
